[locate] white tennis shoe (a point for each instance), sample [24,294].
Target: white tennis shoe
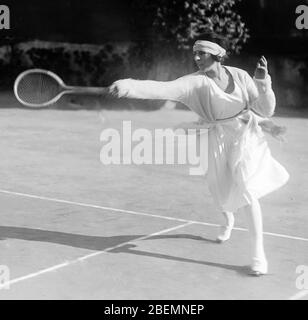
[259,267]
[224,234]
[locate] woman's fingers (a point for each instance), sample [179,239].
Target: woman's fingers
[117,90]
[112,90]
[263,62]
[260,67]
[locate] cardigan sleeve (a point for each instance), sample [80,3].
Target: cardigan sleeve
[261,95]
[176,90]
[191,90]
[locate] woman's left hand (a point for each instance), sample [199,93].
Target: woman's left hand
[261,69]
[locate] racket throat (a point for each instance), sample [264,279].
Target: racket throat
[86,90]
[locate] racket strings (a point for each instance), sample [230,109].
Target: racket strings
[38,88]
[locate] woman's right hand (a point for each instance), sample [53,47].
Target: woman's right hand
[118,89]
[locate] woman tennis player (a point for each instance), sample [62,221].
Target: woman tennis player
[241,169]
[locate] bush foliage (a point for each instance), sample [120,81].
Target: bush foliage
[165,30]
[178,22]
[76,64]
[162,29]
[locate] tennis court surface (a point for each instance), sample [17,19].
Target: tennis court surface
[72,228]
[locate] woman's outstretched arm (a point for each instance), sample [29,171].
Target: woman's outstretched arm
[190,90]
[176,90]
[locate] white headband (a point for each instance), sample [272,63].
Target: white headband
[210,47]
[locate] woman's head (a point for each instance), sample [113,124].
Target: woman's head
[209,49]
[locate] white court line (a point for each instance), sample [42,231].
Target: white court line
[88,256]
[299,295]
[141,213]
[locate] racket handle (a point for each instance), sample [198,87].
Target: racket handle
[101,91]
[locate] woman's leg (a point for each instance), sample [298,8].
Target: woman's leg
[225,231]
[255,223]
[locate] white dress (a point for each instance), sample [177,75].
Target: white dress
[240,165]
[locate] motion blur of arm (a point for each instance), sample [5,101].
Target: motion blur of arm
[260,90]
[176,90]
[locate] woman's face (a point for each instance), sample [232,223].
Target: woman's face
[204,60]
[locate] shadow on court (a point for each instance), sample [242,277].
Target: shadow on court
[79,240]
[129,248]
[102,243]
[63,238]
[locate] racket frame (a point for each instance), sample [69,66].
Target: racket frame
[65,88]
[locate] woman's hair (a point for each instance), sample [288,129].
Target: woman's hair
[216,38]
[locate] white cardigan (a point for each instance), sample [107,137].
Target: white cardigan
[238,169]
[193,91]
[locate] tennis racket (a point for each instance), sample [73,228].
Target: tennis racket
[38,88]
